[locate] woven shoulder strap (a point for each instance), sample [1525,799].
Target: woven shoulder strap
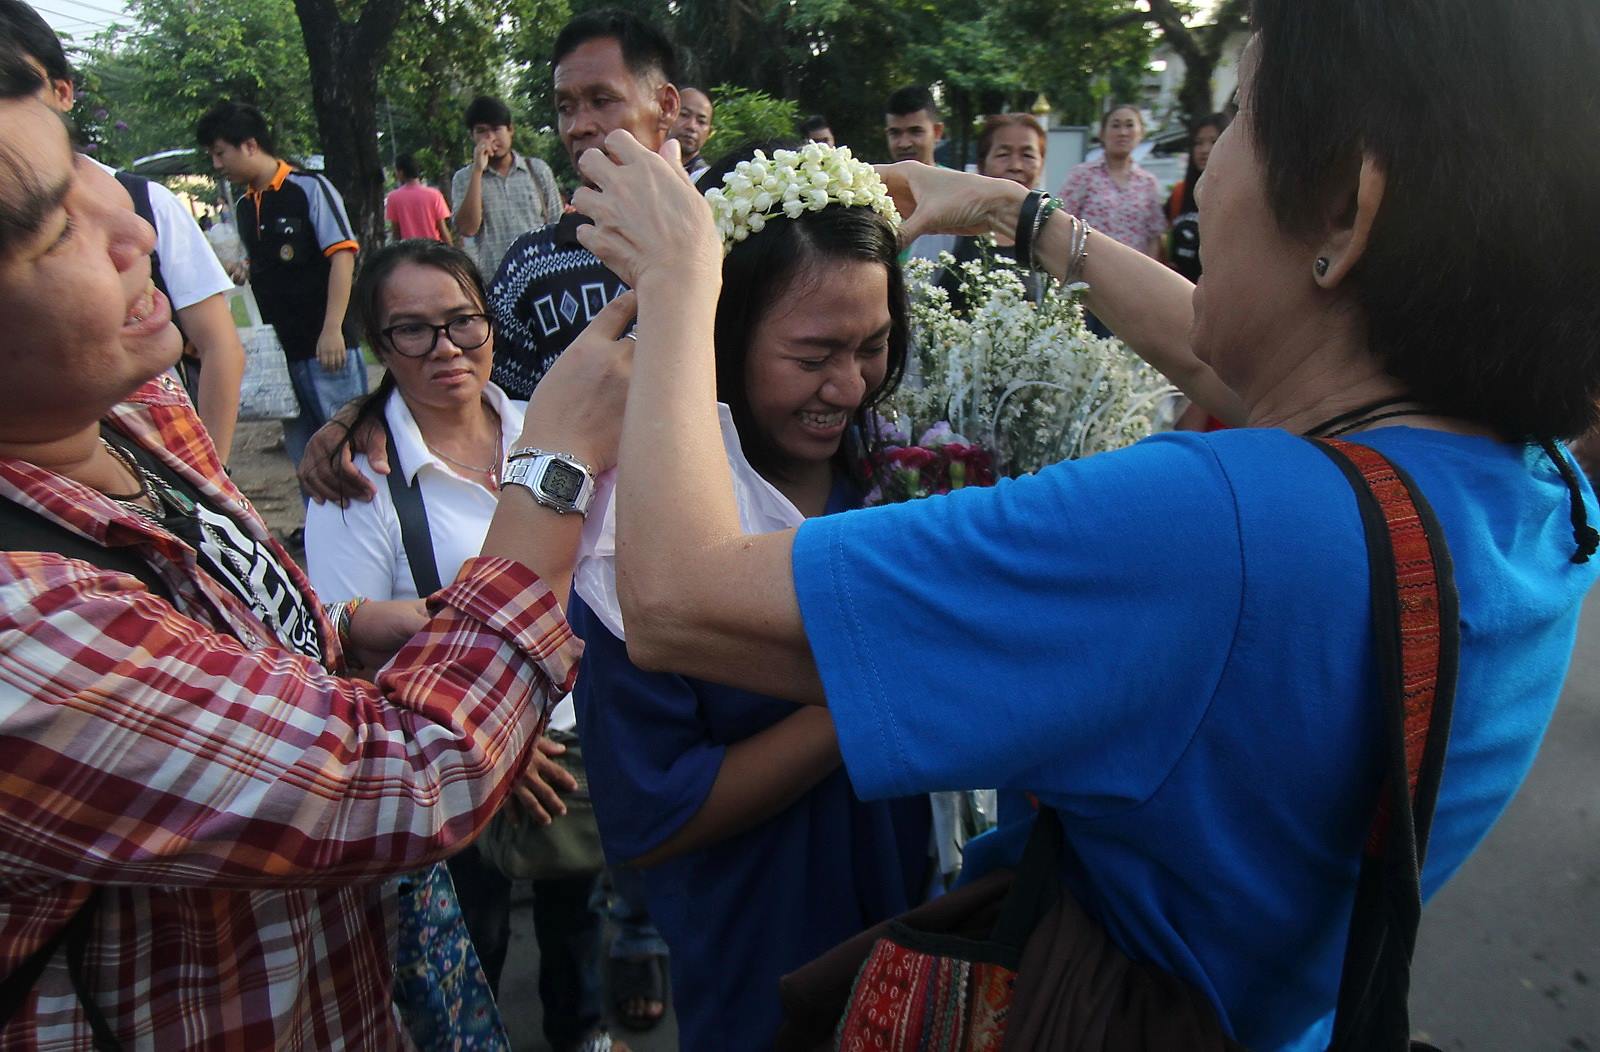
[1416,627]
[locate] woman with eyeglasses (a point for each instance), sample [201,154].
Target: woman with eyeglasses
[422,306]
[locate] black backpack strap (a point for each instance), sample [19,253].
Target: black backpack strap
[25,530]
[1416,626]
[1038,883]
[16,987]
[138,188]
[413,514]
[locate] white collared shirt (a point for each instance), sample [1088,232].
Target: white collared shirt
[358,551]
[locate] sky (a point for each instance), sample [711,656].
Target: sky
[81,19]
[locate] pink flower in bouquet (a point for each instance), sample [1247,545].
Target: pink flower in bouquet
[941,461]
[910,458]
[971,462]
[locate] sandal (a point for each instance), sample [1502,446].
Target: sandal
[640,979]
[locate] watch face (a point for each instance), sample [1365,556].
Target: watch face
[561,481]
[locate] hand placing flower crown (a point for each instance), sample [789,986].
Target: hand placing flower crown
[650,223]
[942,201]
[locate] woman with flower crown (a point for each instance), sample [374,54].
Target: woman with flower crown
[758,854]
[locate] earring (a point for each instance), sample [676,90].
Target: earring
[1321,266]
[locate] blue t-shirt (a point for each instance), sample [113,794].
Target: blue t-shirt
[739,914]
[1170,644]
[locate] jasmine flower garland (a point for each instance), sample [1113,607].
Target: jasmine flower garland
[791,183]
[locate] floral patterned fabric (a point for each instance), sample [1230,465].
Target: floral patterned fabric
[1131,214]
[439,985]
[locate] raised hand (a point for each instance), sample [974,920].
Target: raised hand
[650,223]
[327,470]
[578,406]
[943,201]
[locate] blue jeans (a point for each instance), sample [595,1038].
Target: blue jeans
[636,933]
[320,394]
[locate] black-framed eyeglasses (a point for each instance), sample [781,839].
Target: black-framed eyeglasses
[415,339]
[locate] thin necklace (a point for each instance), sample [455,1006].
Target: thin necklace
[493,470]
[1363,415]
[131,501]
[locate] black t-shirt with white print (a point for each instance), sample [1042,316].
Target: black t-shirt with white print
[236,560]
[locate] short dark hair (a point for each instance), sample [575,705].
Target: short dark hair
[1478,281]
[910,99]
[645,48]
[406,165]
[695,87]
[367,299]
[21,23]
[234,123]
[995,121]
[486,109]
[18,77]
[814,123]
[24,200]
[763,267]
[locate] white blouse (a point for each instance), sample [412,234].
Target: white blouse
[358,551]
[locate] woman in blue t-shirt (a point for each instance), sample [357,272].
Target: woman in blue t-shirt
[1171,645]
[758,854]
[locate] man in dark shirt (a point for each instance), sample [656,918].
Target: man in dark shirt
[301,262]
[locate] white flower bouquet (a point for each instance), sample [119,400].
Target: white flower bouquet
[1026,380]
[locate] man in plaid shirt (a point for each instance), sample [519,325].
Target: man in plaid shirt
[215,806]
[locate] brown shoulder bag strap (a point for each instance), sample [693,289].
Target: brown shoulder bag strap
[1416,624]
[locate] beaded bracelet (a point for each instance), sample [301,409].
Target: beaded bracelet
[1050,207]
[1079,255]
[340,614]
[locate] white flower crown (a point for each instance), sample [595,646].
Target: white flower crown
[791,183]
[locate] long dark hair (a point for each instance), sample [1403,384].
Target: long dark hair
[368,299]
[764,266]
[1191,174]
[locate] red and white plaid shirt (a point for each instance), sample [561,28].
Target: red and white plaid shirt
[238,805]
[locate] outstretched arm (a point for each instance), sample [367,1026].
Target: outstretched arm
[1147,305]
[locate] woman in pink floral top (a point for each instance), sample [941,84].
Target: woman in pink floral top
[1114,195]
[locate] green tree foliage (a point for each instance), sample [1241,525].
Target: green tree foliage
[180,56]
[774,60]
[444,54]
[744,116]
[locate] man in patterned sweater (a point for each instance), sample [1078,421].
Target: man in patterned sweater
[610,73]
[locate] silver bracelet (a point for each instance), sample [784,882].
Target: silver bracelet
[1080,251]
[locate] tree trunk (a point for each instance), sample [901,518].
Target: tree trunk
[344,58]
[1200,49]
[1195,95]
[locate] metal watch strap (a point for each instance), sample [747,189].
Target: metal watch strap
[530,469]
